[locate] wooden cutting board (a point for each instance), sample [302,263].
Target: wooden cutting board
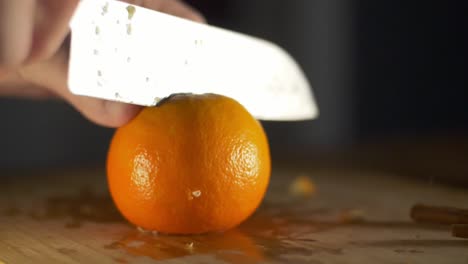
[355,217]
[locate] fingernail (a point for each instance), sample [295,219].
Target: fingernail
[119,113]
[197,17]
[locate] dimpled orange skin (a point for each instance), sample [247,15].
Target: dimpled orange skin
[193,164]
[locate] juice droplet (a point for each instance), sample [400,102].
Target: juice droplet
[129,29]
[131,11]
[105,8]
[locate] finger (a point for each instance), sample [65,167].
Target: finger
[16,27]
[101,112]
[51,27]
[24,90]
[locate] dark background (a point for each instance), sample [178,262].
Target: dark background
[379,70]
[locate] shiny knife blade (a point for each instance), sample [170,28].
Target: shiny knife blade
[131,54]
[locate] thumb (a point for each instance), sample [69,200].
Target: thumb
[52,74]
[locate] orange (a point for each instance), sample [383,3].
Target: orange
[193,164]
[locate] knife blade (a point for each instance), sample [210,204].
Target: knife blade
[131,54]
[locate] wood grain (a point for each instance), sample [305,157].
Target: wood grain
[356,216]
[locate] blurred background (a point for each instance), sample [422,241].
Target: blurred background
[383,72]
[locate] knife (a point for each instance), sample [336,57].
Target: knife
[131,54]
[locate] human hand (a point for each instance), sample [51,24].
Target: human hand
[34,54]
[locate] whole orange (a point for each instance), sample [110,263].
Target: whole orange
[193,164]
